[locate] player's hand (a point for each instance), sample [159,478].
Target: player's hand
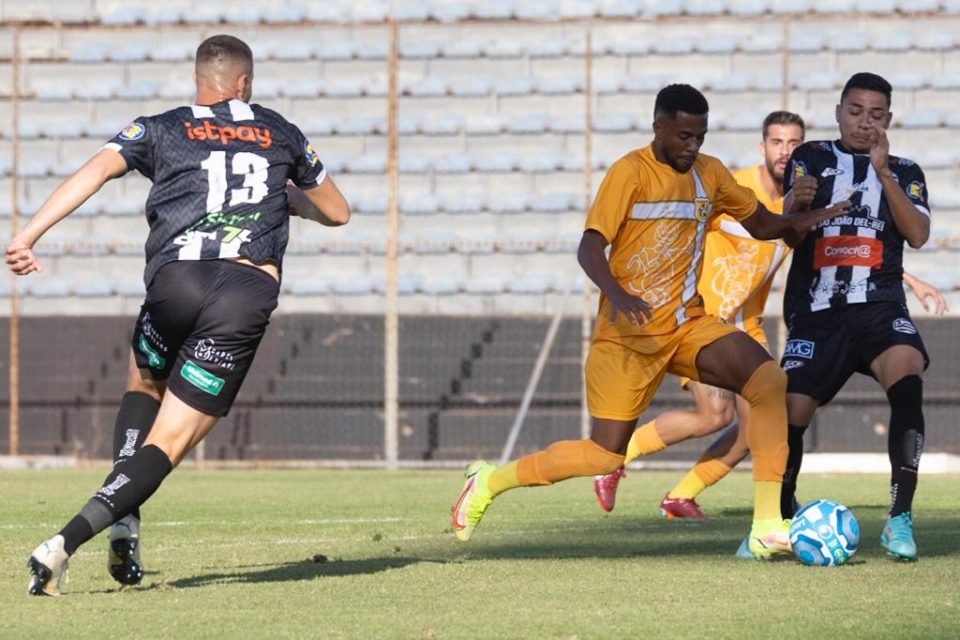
[21,259]
[804,190]
[635,309]
[804,221]
[925,291]
[879,150]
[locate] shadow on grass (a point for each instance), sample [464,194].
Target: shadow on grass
[308,569]
[719,536]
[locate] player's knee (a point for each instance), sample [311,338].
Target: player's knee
[767,384]
[598,460]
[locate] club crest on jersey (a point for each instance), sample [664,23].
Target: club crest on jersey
[799,169]
[311,154]
[133,131]
[915,190]
[830,171]
[902,325]
[702,208]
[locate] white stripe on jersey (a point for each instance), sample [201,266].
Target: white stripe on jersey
[842,188]
[322,176]
[690,279]
[859,279]
[240,110]
[200,111]
[664,210]
[113,146]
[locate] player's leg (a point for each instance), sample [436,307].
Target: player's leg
[717,461]
[713,410]
[725,452]
[138,410]
[736,362]
[898,370]
[227,308]
[620,383]
[800,411]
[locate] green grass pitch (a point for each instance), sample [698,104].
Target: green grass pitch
[370,554]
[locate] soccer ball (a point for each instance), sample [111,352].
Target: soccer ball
[824,533]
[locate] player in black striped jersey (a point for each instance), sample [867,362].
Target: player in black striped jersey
[226,176]
[844,303]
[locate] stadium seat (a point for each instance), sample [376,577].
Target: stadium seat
[674,46]
[763,42]
[465,203]
[453,12]
[546,162]
[935,41]
[897,41]
[921,119]
[560,85]
[497,162]
[635,8]
[442,124]
[550,47]
[420,204]
[483,125]
[415,163]
[791,7]
[515,85]
[748,8]
[533,284]
[471,86]
[504,48]
[615,123]
[506,202]
[441,284]
[876,6]
[719,44]
[531,123]
[455,163]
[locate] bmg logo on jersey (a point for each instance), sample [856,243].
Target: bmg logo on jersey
[799,349]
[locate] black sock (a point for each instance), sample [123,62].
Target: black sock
[130,484]
[794,458]
[905,443]
[137,413]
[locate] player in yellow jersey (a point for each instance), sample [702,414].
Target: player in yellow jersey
[735,284]
[653,209]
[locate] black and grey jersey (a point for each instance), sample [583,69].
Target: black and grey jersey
[219,176]
[856,257]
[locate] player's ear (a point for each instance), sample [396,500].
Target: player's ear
[836,114]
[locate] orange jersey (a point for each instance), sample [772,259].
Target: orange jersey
[738,270]
[656,220]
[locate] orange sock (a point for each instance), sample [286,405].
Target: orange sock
[767,428]
[644,441]
[707,472]
[566,459]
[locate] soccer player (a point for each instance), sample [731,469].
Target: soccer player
[844,303]
[219,223]
[735,284]
[653,209]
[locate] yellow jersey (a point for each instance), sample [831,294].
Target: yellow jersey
[738,269]
[656,220]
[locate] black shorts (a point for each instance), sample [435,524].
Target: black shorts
[825,348]
[200,326]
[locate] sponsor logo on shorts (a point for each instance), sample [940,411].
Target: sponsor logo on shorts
[154,359]
[830,171]
[226,133]
[133,131]
[311,154]
[847,251]
[902,325]
[799,349]
[206,351]
[203,380]
[792,364]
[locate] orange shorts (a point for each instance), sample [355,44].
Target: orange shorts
[753,327]
[623,375]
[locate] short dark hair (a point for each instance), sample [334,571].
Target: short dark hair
[783,117]
[674,98]
[868,81]
[224,48]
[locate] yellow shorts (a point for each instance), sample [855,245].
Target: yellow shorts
[623,375]
[753,327]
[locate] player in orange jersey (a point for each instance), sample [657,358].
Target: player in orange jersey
[735,284]
[653,210]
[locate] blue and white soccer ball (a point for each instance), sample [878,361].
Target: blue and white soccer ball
[824,533]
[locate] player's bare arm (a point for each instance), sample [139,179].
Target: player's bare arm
[923,291]
[73,192]
[792,226]
[594,263]
[323,203]
[912,224]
